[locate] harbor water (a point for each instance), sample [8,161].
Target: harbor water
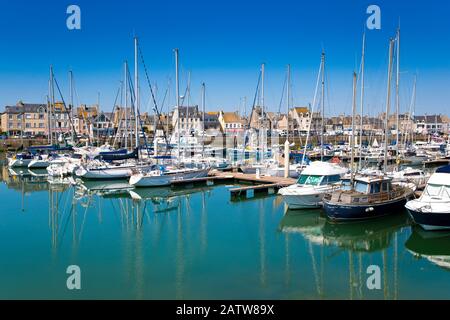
[196,243]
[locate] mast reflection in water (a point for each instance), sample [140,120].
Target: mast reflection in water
[195,242]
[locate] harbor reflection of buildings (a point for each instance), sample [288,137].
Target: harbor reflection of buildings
[359,242]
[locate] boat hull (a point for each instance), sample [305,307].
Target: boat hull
[36,164]
[430,221]
[19,163]
[297,202]
[104,173]
[342,212]
[140,180]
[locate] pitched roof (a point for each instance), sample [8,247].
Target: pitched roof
[191,111]
[231,117]
[301,109]
[429,119]
[25,107]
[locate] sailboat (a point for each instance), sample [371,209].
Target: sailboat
[370,196]
[20,160]
[160,175]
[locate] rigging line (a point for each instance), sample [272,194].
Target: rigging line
[164,98]
[328,93]
[119,92]
[281,102]
[282,95]
[311,113]
[153,95]
[136,111]
[255,97]
[64,104]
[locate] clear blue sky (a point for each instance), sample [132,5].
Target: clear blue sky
[223,43]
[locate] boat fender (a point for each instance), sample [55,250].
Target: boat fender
[370,209]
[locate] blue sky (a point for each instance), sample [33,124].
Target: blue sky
[223,44]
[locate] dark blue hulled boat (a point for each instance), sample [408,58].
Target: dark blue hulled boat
[432,210]
[370,197]
[117,155]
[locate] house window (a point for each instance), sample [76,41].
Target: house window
[10,117]
[28,125]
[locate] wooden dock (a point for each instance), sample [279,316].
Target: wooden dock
[263,185]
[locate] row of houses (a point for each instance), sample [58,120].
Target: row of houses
[35,119]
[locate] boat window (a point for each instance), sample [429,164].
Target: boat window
[412,174]
[385,187]
[361,186]
[346,184]
[433,190]
[310,180]
[446,192]
[375,188]
[334,179]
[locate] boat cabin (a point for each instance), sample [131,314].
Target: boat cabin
[438,187]
[367,189]
[320,174]
[318,180]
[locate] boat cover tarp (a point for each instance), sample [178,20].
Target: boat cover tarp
[118,156]
[444,169]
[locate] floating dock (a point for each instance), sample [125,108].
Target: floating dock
[264,185]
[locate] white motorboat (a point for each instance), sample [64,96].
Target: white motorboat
[315,180]
[277,171]
[40,162]
[432,210]
[163,177]
[20,160]
[64,165]
[416,176]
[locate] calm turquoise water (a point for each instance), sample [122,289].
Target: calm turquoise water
[197,244]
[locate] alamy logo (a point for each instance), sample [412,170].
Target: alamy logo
[74,280]
[374,280]
[374,20]
[73,21]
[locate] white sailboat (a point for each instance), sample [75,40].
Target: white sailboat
[163,177]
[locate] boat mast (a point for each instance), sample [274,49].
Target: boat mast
[49,137]
[52,104]
[262,114]
[71,101]
[412,109]
[323,106]
[286,143]
[362,100]
[136,92]
[126,103]
[352,140]
[188,92]
[397,92]
[388,105]
[203,120]
[177,93]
